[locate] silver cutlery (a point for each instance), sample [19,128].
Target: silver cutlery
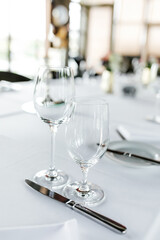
[120,134]
[133,155]
[107,222]
[128,154]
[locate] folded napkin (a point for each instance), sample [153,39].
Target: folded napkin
[66,231]
[134,133]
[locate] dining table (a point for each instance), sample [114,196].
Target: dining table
[132,193]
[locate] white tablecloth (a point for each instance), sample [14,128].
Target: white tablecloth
[132,194]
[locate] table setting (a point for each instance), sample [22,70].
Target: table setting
[101,194]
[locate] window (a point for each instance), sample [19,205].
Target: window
[22,27]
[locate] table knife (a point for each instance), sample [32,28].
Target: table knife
[133,155]
[113,225]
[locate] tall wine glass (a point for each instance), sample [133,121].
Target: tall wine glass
[155,84]
[54,90]
[155,117]
[87,135]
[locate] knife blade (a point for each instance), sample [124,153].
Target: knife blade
[107,222]
[133,155]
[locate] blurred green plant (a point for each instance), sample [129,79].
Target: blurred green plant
[112,62]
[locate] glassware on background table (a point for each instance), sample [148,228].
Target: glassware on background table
[87,135]
[54,90]
[156,116]
[155,84]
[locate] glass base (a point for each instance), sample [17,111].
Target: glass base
[93,197]
[43,179]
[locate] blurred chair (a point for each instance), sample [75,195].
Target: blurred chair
[13,77]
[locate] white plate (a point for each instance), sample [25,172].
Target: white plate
[142,149]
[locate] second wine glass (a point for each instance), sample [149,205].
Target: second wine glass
[54,90]
[87,135]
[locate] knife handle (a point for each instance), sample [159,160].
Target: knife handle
[107,222]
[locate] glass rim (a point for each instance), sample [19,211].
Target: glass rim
[54,67]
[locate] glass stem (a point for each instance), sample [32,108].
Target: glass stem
[52,170]
[84,186]
[157,105]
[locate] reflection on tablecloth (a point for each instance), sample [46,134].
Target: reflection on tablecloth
[66,231]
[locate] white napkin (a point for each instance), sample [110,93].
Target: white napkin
[66,231]
[134,133]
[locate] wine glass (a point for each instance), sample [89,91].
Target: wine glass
[156,116]
[87,135]
[155,84]
[53,93]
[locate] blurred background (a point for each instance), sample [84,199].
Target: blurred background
[95,37]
